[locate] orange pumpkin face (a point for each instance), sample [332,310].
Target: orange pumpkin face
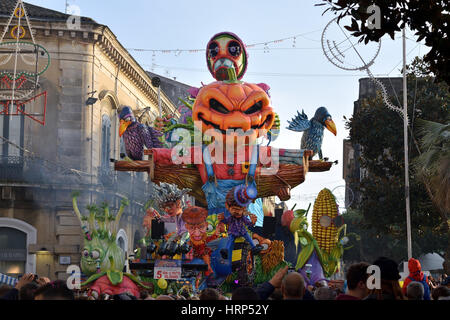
[232,106]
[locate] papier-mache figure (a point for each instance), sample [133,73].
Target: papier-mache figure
[169,199]
[237,218]
[195,219]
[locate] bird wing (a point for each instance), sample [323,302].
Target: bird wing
[133,145]
[150,136]
[299,123]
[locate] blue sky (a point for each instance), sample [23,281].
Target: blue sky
[300,77]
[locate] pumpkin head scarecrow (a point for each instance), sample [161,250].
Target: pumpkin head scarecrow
[233,105]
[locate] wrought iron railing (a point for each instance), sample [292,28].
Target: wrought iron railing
[22,169]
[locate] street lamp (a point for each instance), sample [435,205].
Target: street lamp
[156,82]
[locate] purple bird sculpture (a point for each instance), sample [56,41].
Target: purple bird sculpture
[136,135]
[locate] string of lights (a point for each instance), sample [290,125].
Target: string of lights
[274,74]
[249,46]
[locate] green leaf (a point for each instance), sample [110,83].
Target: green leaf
[115,277]
[304,255]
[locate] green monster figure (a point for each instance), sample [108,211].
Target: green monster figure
[99,243]
[102,259]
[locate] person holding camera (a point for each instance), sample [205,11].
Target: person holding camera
[26,287]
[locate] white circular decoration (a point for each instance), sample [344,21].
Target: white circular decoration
[325,221]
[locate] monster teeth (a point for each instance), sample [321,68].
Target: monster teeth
[223,63]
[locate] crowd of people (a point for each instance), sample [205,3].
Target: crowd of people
[284,285]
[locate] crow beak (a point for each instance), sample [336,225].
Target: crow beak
[123,126]
[331,126]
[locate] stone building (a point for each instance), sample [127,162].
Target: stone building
[352,171]
[90,77]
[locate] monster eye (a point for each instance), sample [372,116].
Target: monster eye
[254,108]
[264,246]
[217,106]
[209,228]
[234,48]
[85,253]
[95,254]
[213,50]
[255,242]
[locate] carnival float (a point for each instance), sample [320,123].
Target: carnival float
[211,243]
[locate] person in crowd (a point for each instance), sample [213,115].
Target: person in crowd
[356,282]
[324,293]
[27,283]
[446,281]
[27,291]
[415,291]
[293,286]
[416,274]
[441,293]
[56,290]
[4,289]
[209,294]
[164,297]
[266,289]
[245,293]
[276,295]
[390,288]
[442,278]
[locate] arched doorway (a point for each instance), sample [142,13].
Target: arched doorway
[15,238]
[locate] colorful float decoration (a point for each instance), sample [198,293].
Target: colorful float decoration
[321,251]
[236,114]
[22,62]
[102,260]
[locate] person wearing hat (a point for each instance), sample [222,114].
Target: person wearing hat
[416,274]
[236,203]
[194,219]
[390,288]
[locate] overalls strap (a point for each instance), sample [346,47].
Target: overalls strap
[208,163]
[253,163]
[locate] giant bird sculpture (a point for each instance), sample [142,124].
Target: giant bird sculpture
[136,135]
[313,129]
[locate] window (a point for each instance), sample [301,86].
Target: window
[13,252]
[11,127]
[106,141]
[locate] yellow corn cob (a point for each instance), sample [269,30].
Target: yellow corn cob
[325,210]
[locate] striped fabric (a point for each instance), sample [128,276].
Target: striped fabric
[10,281]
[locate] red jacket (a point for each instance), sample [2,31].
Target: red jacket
[415,272]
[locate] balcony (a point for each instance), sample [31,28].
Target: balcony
[25,171]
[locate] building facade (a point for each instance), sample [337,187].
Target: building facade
[352,171]
[91,76]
